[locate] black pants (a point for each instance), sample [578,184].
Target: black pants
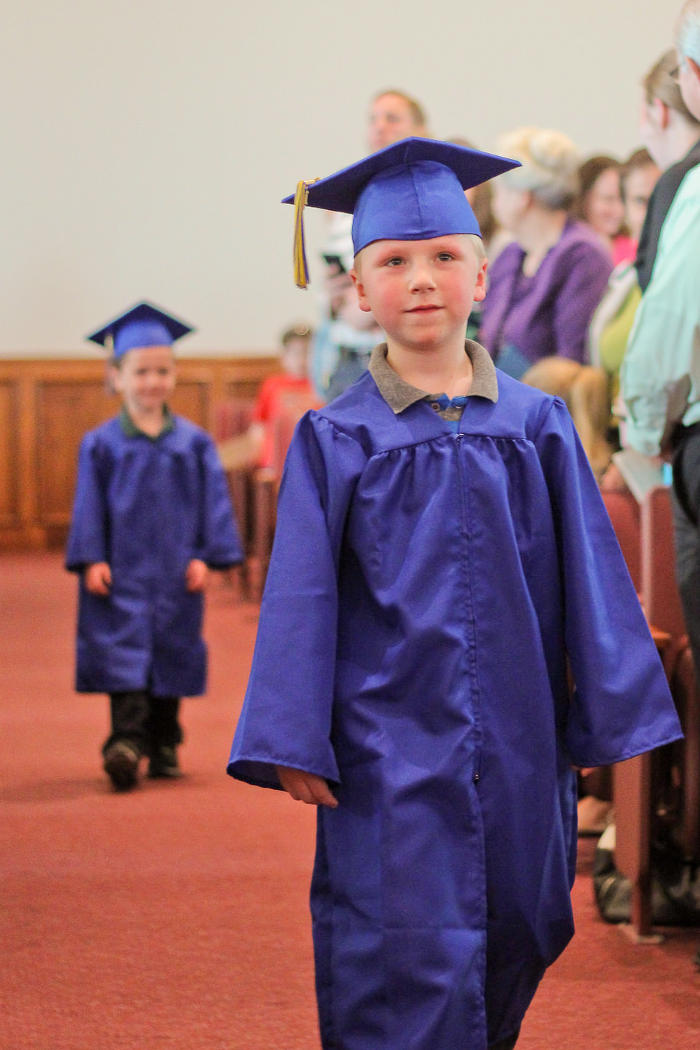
[148,722]
[686,520]
[506,1044]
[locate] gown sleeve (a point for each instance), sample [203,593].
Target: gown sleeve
[88,539]
[621,704]
[218,542]
[287,712]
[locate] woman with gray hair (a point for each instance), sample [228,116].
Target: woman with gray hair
[545,285]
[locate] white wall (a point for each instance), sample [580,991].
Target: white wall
[146,143]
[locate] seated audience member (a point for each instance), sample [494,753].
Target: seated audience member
[612,322]
[584,390]
[344,339]
[600,204]
[545,285]
[282,391]
[355,333]
[494,238]
[286,389]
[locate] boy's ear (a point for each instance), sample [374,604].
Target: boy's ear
[661,114]
[114,378]
[480,286]
[361,297]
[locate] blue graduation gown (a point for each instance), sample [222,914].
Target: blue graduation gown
[424,592]
[147,507]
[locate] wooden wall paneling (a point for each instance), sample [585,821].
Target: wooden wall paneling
[10,511]
[66,407]
[194,394]
[47,405]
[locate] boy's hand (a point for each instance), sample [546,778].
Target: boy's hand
[98,578]
[196,575]
[306,787]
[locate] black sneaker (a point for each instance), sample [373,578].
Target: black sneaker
[163,763]
[121,764]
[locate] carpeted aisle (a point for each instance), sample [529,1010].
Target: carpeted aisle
[175,917]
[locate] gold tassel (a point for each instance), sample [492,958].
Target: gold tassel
[301,270]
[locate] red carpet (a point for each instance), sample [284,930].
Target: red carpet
[175,917]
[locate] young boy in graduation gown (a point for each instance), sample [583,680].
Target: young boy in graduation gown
[441,551]
[152,513]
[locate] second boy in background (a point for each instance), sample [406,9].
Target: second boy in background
[152,514]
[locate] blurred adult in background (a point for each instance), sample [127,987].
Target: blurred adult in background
[545,285]
[346,336]
[394,115]
[599,203]
[612,321]
[660,377]
[671,133]
[493,237]
[584,390]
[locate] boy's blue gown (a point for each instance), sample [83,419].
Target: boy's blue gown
[147,507]
[424,593]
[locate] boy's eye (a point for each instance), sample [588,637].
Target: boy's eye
[445,256]
[395,260]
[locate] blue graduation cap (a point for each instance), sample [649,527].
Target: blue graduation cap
[139,326]
[412,190]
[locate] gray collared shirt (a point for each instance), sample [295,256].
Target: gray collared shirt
[399,394]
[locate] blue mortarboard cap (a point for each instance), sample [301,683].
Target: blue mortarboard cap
[139,326]
[412,190]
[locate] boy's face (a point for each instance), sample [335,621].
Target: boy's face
[421,292]
[145,378]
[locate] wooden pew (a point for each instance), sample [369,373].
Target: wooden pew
[634,789]
[254,489]
[231,420]
[267,481]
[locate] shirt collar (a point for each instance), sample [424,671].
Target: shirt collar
[131,430]
[400,395]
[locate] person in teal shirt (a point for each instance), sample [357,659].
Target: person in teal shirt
[660,378]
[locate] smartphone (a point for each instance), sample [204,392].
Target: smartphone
[335,260]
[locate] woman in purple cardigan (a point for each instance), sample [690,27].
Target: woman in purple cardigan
[545,285]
